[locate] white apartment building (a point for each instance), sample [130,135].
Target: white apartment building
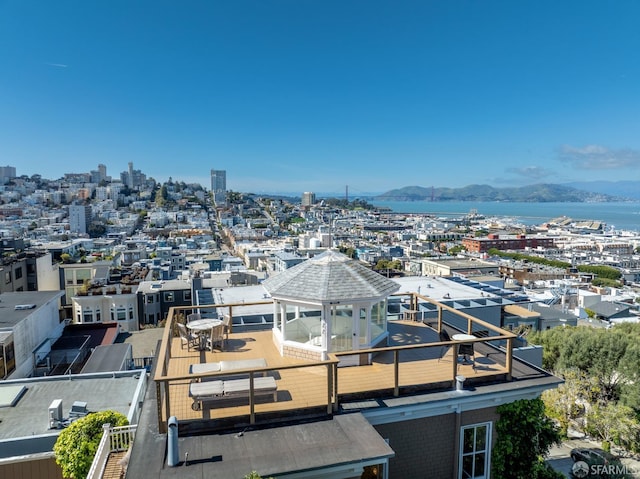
[79,218]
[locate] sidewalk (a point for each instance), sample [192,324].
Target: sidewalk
[560,456]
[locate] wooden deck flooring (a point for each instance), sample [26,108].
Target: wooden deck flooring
[306,387]
[112,469]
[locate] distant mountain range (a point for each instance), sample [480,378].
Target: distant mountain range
[540,193]
[625,189]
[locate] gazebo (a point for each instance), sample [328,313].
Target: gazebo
[329,303]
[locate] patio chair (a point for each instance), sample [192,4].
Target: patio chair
[226,322]
[193,317]
[216,337]
[444,336]
[467,351]
[188,338]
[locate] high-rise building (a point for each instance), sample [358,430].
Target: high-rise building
[130,184]
[308,198]
[79,218]
[6,173]
[100,174]
[219,187]
[133,178]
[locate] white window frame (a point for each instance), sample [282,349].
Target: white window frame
[486,450]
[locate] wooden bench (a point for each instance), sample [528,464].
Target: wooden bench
[234,388]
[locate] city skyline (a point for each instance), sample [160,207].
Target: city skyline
[302,96]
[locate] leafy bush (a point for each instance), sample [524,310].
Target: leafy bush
[254,475]
[525,435]
[76,445]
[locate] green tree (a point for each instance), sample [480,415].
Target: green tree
[606,282]
[96,229]
[388,264]
[162,195]
[382,264]
[350,252]
[552,342]
[525,435]
[614,424]
[531,259]
[607,355]
[76,445]
[597,352]
[630,369]
[607,272]
[566,403]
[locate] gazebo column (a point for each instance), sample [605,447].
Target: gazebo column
[325,327]
[276,316]
[283,318]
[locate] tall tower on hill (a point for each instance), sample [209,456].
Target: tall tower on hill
[219,187]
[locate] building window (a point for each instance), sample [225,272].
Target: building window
[168,297]
[18,273]
[149,298]
[475,443]
[187,295]
[7,277]
[87,316]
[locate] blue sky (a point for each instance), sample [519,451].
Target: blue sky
[292,96]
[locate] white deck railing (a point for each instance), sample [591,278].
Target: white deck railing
[115,439]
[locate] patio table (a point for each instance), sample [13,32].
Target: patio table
[202,328]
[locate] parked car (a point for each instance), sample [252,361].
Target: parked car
[596,464]
[591,456]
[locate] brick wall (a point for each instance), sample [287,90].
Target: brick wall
[299,353]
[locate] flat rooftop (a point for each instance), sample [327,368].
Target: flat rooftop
[28,417]
[10,316]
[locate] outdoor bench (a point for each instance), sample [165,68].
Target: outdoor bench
[215,390]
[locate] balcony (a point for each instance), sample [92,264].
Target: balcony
[112,450]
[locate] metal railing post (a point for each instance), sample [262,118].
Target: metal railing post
[396,373]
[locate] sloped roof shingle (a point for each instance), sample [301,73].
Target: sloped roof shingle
[330,277]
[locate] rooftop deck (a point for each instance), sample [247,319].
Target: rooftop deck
[413,361]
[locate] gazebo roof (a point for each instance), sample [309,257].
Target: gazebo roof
[330,276]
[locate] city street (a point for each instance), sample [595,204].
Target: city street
[560,456]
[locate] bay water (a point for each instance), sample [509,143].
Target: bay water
[618,216]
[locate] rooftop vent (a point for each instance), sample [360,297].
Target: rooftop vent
[21,307]
[78,410]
